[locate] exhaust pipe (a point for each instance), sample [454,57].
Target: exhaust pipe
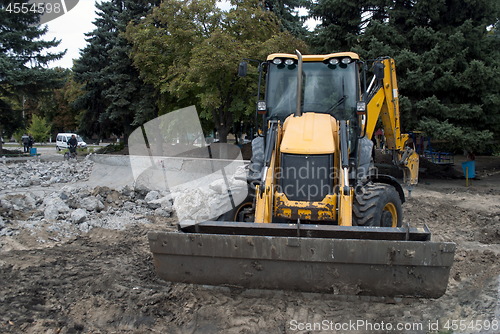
[298,111]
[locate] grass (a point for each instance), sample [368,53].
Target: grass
[79,151]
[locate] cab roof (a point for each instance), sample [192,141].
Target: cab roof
[314,57]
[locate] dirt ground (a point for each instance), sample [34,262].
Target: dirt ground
[103,281]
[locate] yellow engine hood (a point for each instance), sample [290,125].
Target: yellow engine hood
[310,133]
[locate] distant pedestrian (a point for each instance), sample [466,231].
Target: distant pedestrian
[32,141]
[72,145]
[25,139]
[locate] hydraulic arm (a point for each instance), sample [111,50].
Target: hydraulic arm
[384,104]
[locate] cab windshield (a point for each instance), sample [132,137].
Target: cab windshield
[329,89]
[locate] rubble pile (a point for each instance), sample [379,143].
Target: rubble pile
[76,209]
[63,211]
[38,173]
[59,200]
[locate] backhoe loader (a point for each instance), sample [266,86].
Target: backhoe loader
[319,217]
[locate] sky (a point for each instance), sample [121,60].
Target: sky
[71,27]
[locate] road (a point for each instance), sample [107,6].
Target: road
[47,152]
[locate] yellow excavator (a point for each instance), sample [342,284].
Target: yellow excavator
[319,217]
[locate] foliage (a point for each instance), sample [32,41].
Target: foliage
[115,99]
[111,148]
[18,134]
[287,13]
[39,129]
[447,61]
[344,22]
[23,61]
[58,105]
[189,51]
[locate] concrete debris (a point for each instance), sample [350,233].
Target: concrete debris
[39,173]
[78,216]
[53,206]
[193,205]
[161,212]
[51,213]
[91,203]
[211,201]
[152,195]
[64,211]
[164,202]
[75,206]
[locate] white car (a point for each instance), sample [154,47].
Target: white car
[63,138]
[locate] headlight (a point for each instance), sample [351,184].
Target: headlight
[289,62]
[346,60]
[261,106]
[277,61]
[361,107]
[333,61]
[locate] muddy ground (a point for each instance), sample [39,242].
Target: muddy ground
[103,280]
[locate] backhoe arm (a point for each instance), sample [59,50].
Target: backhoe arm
[385,104]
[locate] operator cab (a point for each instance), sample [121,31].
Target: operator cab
[330,85]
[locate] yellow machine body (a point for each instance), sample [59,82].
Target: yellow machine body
[316,219]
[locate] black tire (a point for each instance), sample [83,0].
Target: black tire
[241,213]
[377,204]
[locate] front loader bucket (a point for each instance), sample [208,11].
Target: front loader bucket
[347,266]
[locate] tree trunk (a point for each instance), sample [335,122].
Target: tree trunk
[223,132]
[223,122]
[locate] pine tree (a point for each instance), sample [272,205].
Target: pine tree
[342,22]
[339,19]
[116,100]
[23,65]
[447,60]
[287,12]
[449,70]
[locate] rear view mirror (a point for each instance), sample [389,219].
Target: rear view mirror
[242,69]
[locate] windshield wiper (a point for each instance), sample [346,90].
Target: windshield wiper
[339,102]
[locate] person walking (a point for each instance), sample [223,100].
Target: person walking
[72,145]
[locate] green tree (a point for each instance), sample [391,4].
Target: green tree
[116,99]
[287,13]
[23,61]
[447,61]
[39,129]
[190,52]
[343,22]
[58,106]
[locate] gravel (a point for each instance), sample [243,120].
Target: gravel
[58,198]
[33,173]
[67,206]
